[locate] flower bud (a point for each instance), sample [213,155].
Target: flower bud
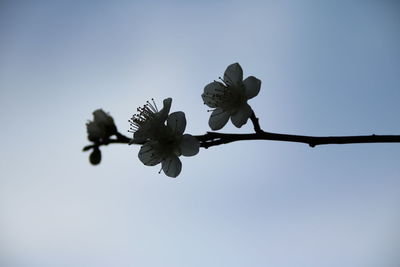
[95,133]
[105,122]
[102,127]
[95,156]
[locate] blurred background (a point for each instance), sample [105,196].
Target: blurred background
[327,67]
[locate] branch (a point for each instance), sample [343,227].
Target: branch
[120,139]
[214,139]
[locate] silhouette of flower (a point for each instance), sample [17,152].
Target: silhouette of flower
[146,124]
[169,144]
[102,126]
[229,97]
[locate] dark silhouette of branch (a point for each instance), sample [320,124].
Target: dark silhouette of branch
[211,139]
[255,122]
[120,139]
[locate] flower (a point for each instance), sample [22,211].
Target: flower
[147,123]
[102,126]
[229,97]
[166,142]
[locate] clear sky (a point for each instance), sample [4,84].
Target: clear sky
[327,68]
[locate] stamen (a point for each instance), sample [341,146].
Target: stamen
[152,108]
[144,113]
[155,105]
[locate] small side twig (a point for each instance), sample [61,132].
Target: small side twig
[256,123]
[120,139]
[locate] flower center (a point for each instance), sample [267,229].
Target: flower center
[229,97]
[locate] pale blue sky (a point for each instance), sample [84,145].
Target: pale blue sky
[327,67]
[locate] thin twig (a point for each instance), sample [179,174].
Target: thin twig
[120,139]
[255,122]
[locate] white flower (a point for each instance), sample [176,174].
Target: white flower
[147,123]
[169,145]
[102,126]
[229,97]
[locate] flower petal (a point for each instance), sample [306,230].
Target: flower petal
[242,115]
[218,119]
[233,74]
[163,113]
[214,87]
[189,145]
[211,92]
[252,86]
[172,166]
[177,122]
[149,155]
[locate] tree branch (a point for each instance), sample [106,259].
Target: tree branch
[211,139]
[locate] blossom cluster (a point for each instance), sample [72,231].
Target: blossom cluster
[161,134]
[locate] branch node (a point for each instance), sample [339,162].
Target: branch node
[256,123]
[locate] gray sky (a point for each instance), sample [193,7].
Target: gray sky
[327,68]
